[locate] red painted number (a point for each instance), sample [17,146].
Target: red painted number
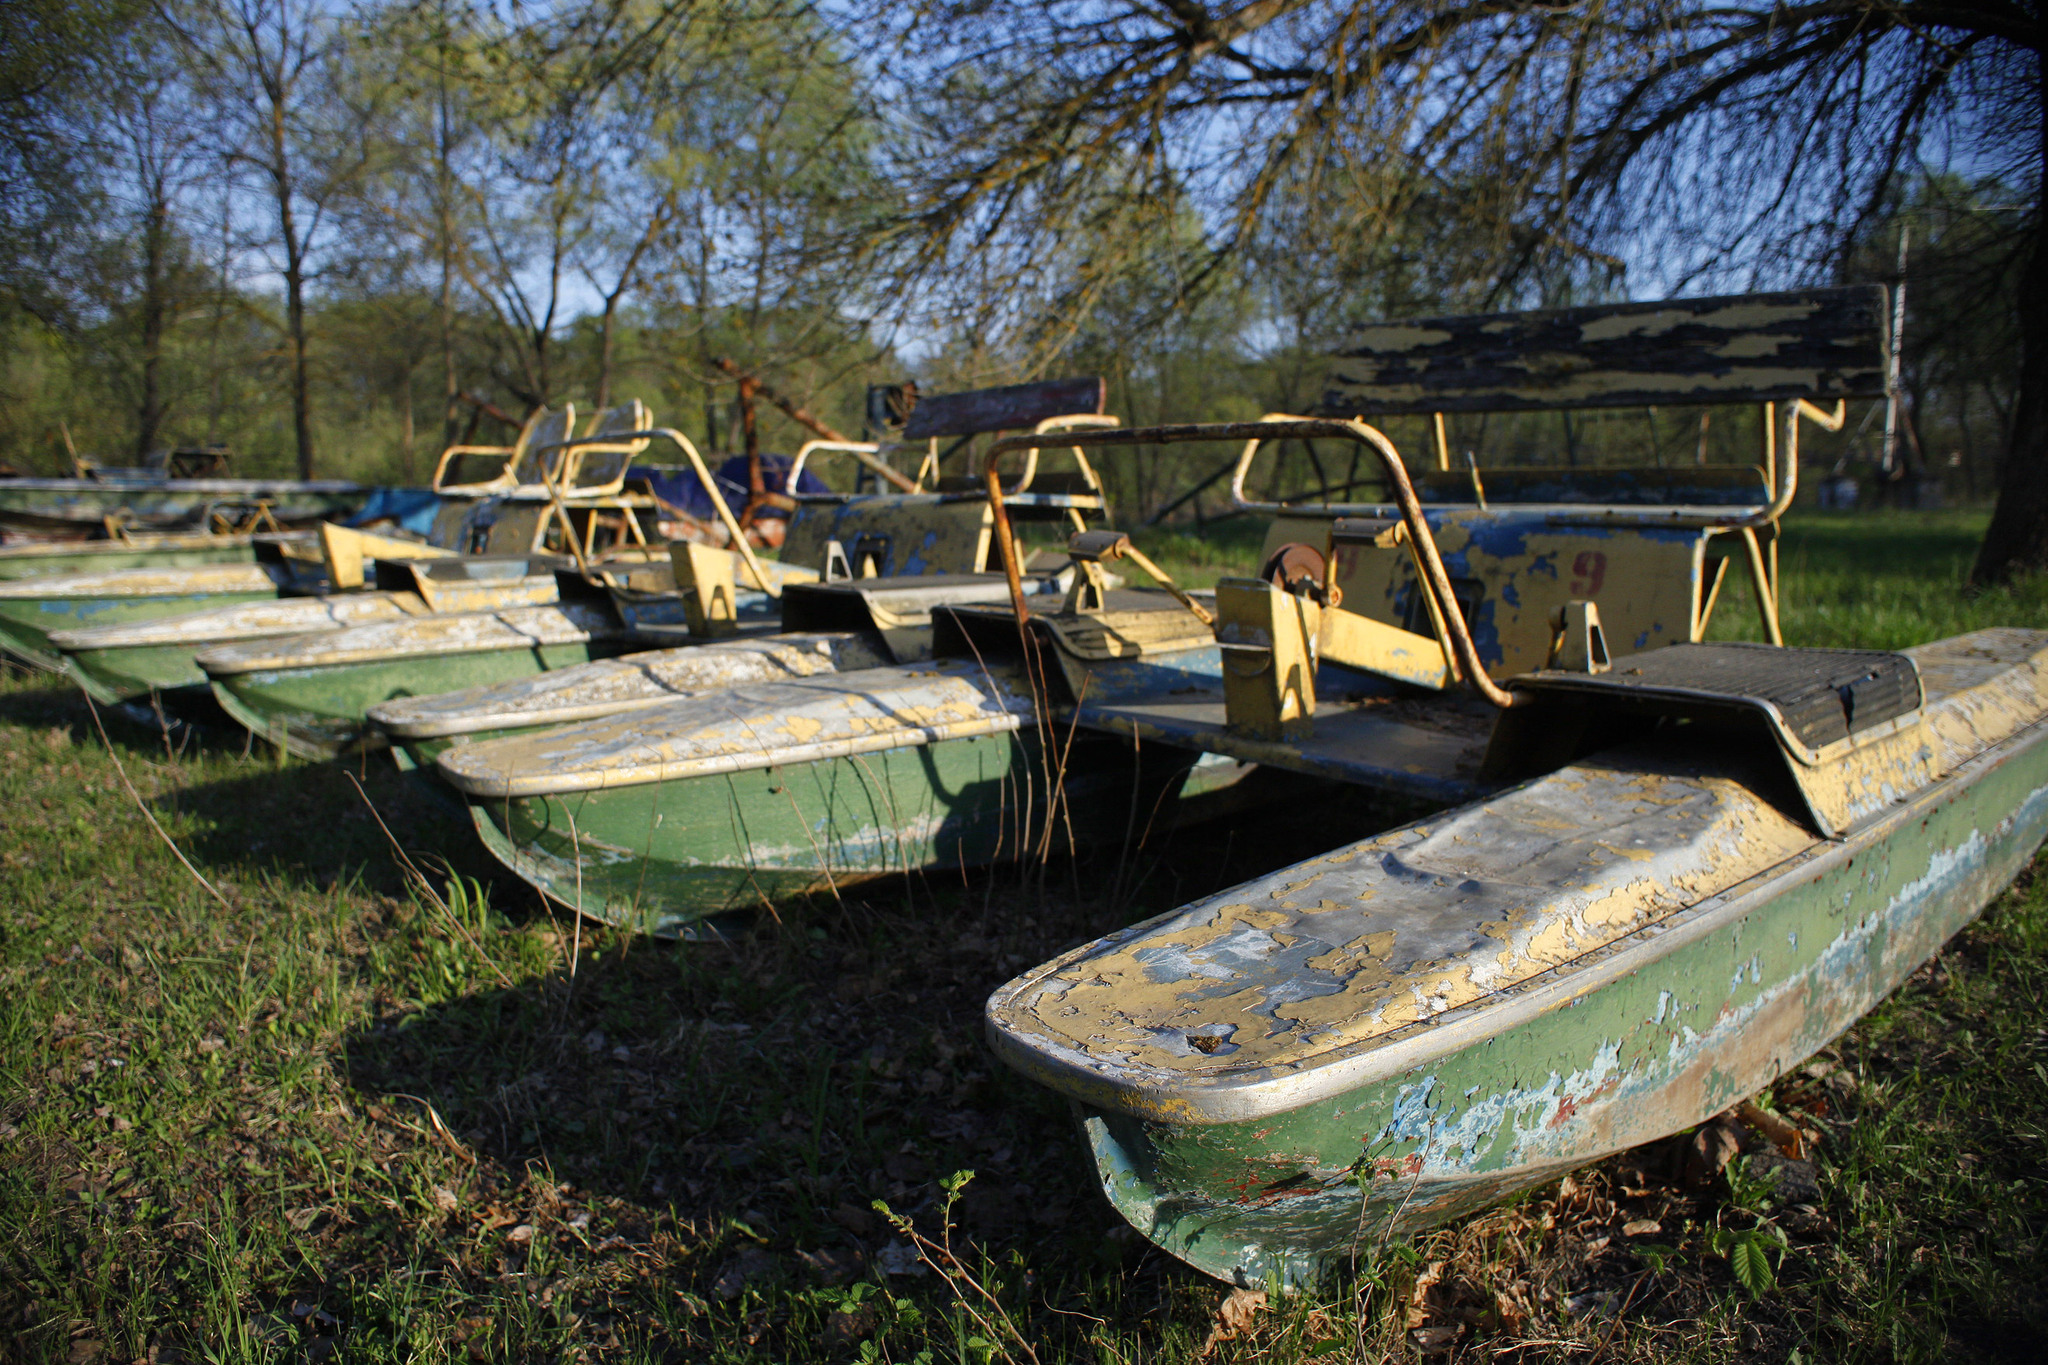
[1589,570]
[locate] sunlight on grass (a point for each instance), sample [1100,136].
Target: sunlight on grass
[351,1118]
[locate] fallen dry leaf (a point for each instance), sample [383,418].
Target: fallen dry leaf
[1235,1314]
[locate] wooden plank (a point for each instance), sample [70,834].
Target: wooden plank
[1739,348]
[1017,407]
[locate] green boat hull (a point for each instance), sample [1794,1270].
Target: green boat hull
[1630,1047]
[321,711]
[26,624]
[666,857]
[100,556]
[72,504]
[120,675]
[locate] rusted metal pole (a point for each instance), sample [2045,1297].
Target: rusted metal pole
[795,411]
[757,487]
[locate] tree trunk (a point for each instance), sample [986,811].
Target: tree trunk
[757,487]
[451,390]
[294,284]
[604,353]
[2016,542]
[295,321]
[405,431]
[155,310]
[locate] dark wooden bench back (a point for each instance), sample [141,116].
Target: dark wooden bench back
[1015,407]
[1820,344]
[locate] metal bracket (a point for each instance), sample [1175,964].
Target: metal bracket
[704,573]
[1580,645]
[1267,638]
[1090,590]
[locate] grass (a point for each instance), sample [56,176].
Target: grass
[333,1113]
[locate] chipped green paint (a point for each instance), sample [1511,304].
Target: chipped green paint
[659,857]
[318,712]
[660,816]
[32,609]
[65,505]
[1534,999]
[99,556]
[310,694]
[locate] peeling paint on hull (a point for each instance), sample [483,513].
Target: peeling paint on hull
[26,624]
[101,556]
[662,857]
[318,712]
[68,504]
[1656,1033]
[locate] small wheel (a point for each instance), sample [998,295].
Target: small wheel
[1297,568]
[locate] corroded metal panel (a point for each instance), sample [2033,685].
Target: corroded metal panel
[1017,407]
[1743,348]
[1513,570]
[908,534]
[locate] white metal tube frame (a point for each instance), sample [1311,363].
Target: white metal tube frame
[865,452]
[732,523]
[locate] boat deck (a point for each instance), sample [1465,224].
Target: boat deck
[1428,748]
[1295,986]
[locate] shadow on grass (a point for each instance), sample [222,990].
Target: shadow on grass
[302,821]
[830,1058]
[307,821]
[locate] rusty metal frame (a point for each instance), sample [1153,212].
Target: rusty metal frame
[1073,421]
[1781,465]
[1422,544]
[502,481]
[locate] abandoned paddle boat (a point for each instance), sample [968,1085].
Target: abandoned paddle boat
[32,608]
[664,817]
[583,523]
[1674,873]
[1419,1024]
[309,693]
[911,552]
[149,550]
[121,663]
[419,729]
[536,799]
[158,499]
[837,627]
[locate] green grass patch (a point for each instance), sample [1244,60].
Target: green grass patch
[333,1113]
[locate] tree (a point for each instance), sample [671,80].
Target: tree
[158,140]
[270,67]
[1733,144]
[50,84]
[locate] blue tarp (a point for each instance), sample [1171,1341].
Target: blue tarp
[680,487]
[412,508]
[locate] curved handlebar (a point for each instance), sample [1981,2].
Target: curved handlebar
[862,451]
[1278,427]
[732,524]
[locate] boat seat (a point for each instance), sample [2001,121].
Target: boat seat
[1811,697]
